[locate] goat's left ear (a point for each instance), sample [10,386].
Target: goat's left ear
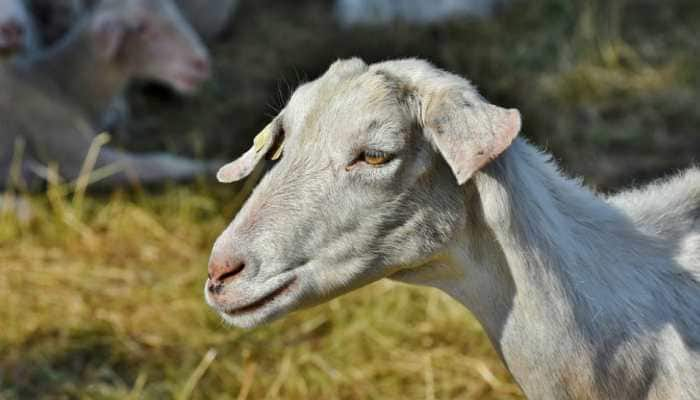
[270,142]
[468,133]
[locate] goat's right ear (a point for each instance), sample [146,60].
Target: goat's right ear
[269,140]
[469,134]
[109,31]
[466,129]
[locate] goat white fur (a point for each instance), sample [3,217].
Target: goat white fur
[584,297]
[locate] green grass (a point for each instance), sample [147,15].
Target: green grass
[104,301]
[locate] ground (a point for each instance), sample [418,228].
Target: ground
[106,302]
[101,296]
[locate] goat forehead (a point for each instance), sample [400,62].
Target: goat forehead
[330,109]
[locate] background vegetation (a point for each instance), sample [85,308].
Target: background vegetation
[101,296]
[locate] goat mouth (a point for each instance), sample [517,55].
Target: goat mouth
[188,80]
[261,302]
[186,84]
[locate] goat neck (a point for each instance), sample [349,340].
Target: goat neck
[76,73]
[567,288]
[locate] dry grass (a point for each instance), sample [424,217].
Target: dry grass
[104,301]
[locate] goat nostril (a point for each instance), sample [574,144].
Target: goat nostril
[215,287]
[201,65]
[219,273]
[230,274]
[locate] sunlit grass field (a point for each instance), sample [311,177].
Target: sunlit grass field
[102,298]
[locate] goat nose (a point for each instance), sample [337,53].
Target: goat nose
[222,272]
[202,65]
[12,32]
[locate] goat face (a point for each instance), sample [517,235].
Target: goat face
[364,187]
[150,39]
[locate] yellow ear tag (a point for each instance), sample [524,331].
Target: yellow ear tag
[261,139]
[278,152]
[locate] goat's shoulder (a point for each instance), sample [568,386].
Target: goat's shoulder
[34,107]
[669,211]
[669,207]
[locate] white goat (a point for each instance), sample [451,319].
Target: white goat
[402,170]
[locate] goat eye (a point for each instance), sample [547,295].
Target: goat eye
[375,157]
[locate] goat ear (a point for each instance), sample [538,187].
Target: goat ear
[269,140]
[468,133]
[108,32]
